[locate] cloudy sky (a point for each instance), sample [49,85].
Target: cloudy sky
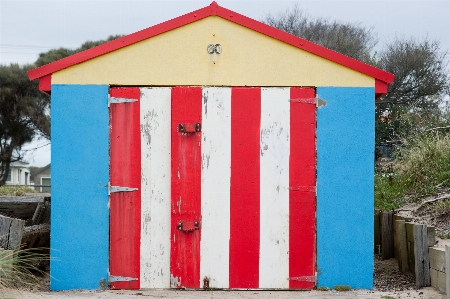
[28,28]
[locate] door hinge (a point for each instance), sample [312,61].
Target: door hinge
[304,100]
[305,278]
[112,278]
[113,100]
[114,189]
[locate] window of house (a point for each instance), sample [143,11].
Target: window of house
[45,185]
[19,174]
[26,178]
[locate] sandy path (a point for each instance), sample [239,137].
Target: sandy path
[426,293]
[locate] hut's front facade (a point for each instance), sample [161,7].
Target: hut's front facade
[211,151]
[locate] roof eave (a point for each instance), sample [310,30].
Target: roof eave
[212,10]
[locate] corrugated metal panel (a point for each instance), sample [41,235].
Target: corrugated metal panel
[125,207]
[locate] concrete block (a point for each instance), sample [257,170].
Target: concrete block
[437,258]
[438,280]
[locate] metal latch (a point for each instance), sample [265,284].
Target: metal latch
[113,189]
[112,278]
[187,226]
[189,127]
[112,100]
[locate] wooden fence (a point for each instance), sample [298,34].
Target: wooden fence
[412,244]
[24,222]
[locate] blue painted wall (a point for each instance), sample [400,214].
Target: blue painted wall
[345,187]
[80,174]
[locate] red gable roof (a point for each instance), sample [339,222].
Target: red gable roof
[382,78]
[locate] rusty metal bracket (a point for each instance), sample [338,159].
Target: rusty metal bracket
[187,226]
[304,100]
[303,188]
[304,278]
[190,128]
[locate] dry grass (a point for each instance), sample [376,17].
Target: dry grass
[15,190]
[419,169]
[425,163]
[20,268]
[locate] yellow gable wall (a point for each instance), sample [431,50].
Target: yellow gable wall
[179,57]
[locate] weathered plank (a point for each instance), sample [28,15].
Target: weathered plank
[36,236]
[422,261]
[21,206]
[431,235]
[437,258]
[5,224]
[401,245]
[409,231]
[447,274]
[387,238]
[377,233]
[15,234]
[39,213]
[10,232]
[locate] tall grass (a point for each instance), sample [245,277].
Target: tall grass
[19,268]
[419,168]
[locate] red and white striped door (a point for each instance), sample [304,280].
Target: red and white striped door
[228,179]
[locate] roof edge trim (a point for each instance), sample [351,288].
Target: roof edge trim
[212,10]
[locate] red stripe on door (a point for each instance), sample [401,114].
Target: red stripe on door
[245,187]
[302,197]
[186,187]
[125,207]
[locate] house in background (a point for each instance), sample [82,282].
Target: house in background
[42,179]
[19,174]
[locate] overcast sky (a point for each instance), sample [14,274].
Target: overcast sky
[28,28]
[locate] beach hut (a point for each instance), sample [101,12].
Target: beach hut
[211,151]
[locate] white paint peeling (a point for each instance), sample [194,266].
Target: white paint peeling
[274,188]
[155,205]
[175,281]
[215,194]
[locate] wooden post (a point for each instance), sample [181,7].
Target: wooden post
[377,238]
[11,231]
[402,246]
[422,259]
[387,238]
[410,244]
[447,270]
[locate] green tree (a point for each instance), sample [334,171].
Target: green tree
[24,110]
[23,114]
[56,54]
[351,39]
[414,100]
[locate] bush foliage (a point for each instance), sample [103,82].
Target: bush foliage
[419,168]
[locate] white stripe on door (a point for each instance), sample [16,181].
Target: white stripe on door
[155,206]
[274,174]
[215,201]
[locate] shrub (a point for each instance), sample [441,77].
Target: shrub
[419,167]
